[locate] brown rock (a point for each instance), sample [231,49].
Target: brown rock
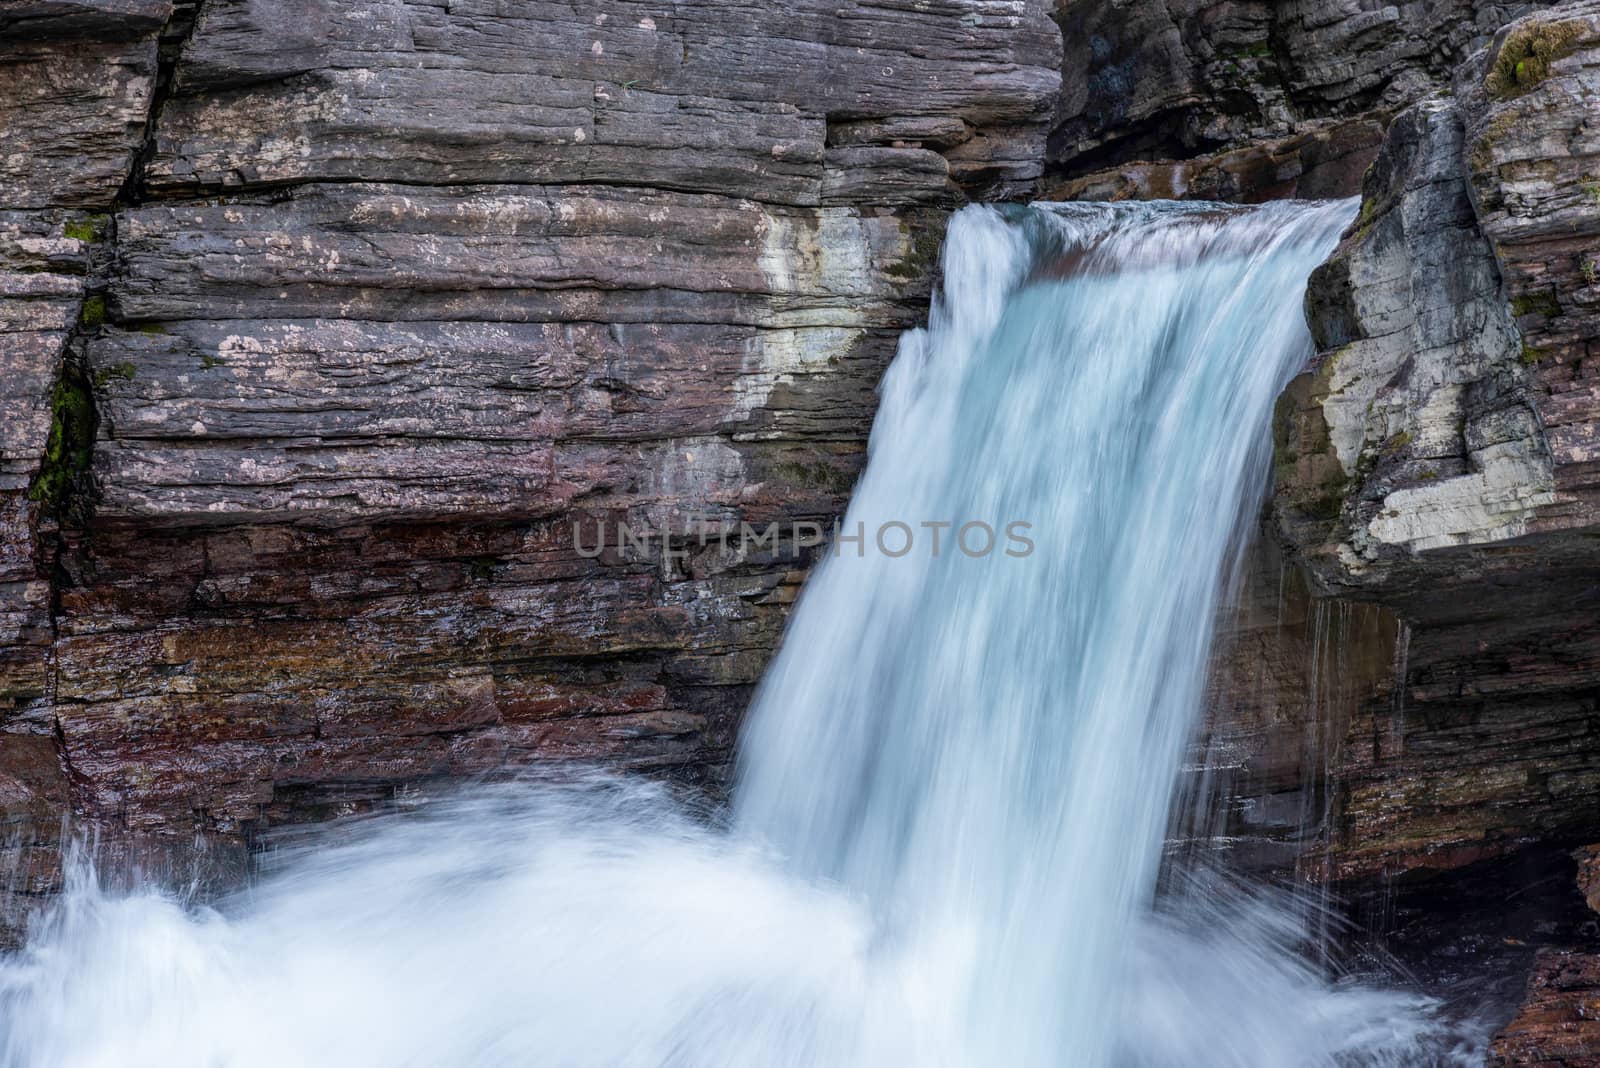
[1588,859]
[1558,1025]
[399,296]
[1324,162]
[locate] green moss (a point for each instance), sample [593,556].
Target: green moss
[208,361]
[1482,156]
[93,312]
[123,371]
[152,329]
[1531,355]
[1309,476]
[70,442]
[1428,476]
[1524,60]
[1368,216]
[1590,270]
[1396,442]
[88,228]
[1591,189]
[1542,303]
[921,258]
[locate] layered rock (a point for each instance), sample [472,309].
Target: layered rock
[342,333]
[1246,99]
[81,78]
[1557,1024]
[1439,458]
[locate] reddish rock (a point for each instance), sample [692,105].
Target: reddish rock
[1558,1025]
[1322,162]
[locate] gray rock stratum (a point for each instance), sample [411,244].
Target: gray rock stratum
[325,324]
[1441,458]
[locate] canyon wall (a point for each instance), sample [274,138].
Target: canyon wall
[330,327]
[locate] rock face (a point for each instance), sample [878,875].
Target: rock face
[1559,1023]
[336,330]
[1440,458]
[1246,99]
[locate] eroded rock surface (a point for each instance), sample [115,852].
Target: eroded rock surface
[1439,457]
[1558,1025]
[1246,99]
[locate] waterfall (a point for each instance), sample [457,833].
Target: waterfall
[952,790]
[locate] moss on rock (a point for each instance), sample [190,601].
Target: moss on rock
[1542,303]
[87,228]
[93,312]
[1524,60]
[70,442]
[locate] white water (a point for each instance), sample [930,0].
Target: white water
[952,790]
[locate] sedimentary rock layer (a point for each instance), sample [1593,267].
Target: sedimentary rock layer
[330,329]
[1246,99]
[1439,457]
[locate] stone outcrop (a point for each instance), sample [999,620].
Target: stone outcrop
[1558,1025]
[330,329]
[1246,99]
[1440,458]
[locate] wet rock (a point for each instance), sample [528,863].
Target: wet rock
[1289,674]
[1434,458]
[1558,1025]
[34,801]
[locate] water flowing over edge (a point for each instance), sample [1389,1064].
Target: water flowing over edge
[952,789]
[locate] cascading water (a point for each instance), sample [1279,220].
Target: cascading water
[952,791]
